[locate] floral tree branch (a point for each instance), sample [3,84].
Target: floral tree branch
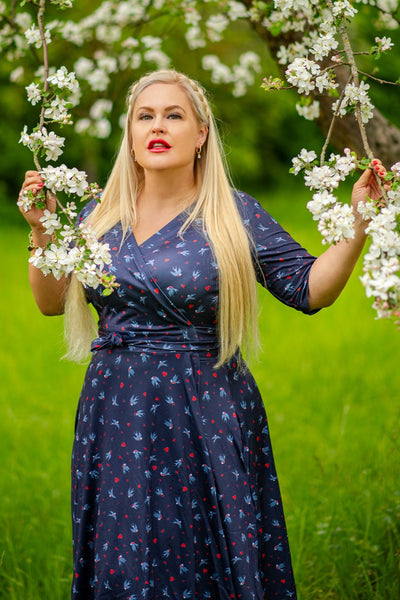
[335,220]
[354,76]
[311,44]
[72,249]
[46,70]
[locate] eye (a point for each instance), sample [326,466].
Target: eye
[174,116]
[144,117]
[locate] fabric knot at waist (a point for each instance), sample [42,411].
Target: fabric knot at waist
[199,340]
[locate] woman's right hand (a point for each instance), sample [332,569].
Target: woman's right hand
[34,183]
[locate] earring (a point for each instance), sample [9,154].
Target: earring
[133,154]
[198,152]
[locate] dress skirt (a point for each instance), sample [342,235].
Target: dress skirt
[175,493]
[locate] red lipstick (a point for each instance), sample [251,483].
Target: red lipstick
[158,145]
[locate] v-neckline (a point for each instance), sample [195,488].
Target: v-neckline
[169,224]
[158,232]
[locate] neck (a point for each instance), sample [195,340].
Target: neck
[162,190]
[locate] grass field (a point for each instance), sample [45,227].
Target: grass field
[331,387]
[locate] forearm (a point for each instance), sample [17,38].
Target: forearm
[49,292]
[331,271]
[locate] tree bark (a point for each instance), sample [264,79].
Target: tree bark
[383,136]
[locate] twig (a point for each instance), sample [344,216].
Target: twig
[354,74]
[363,133]
[332,123]
[382,81]
[40,19]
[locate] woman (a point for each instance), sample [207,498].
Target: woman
[174,489]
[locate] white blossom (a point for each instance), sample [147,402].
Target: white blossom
[82,125]
[320,203]
[216,25]
[25,201]
[23,20]
[33,36]
[101,128]
[63,179]
[304,159]
[62,79]
[151,42]
[100,108]
[301,73]
[108,63]
[354,95]
[50,221]
[98,80]
[34,94]
[396,169]
[321,177]
[52,144]
[74,33]
[337,223]
[343,165]
[126,12]
[49,142]
[343,8]
[236,10]
[367,210]
[308,111]
[58,111]
[192,16]
[107,33]
[220,73]
[194,38]
[158,57]
[83,66]
[324,45]
[70,210]
[17,74]
[384,43]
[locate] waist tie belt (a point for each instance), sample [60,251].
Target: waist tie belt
[188,340]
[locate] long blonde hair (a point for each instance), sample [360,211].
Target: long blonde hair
[215,206]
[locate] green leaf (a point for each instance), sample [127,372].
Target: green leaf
[276,28]
[107,292]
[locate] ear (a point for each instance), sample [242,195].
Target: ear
[203,132]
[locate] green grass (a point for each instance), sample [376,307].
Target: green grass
[331,387]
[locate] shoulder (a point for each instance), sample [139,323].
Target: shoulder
[251,211]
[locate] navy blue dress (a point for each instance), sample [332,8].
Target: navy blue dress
[174,488]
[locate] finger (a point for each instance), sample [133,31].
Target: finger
[365,178]
[32,181]
[375,161]
[378,168]
[34,188]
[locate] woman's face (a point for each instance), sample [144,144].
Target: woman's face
[165,131]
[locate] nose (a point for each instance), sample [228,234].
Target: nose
[158,129]
[157,125]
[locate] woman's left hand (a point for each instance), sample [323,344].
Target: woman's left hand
[367,186]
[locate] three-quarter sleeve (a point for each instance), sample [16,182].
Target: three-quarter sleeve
[282,265]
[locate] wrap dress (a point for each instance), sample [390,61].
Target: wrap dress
[174,488]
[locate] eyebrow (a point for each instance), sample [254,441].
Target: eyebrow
[167,108]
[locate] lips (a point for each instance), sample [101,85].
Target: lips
[158,145]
